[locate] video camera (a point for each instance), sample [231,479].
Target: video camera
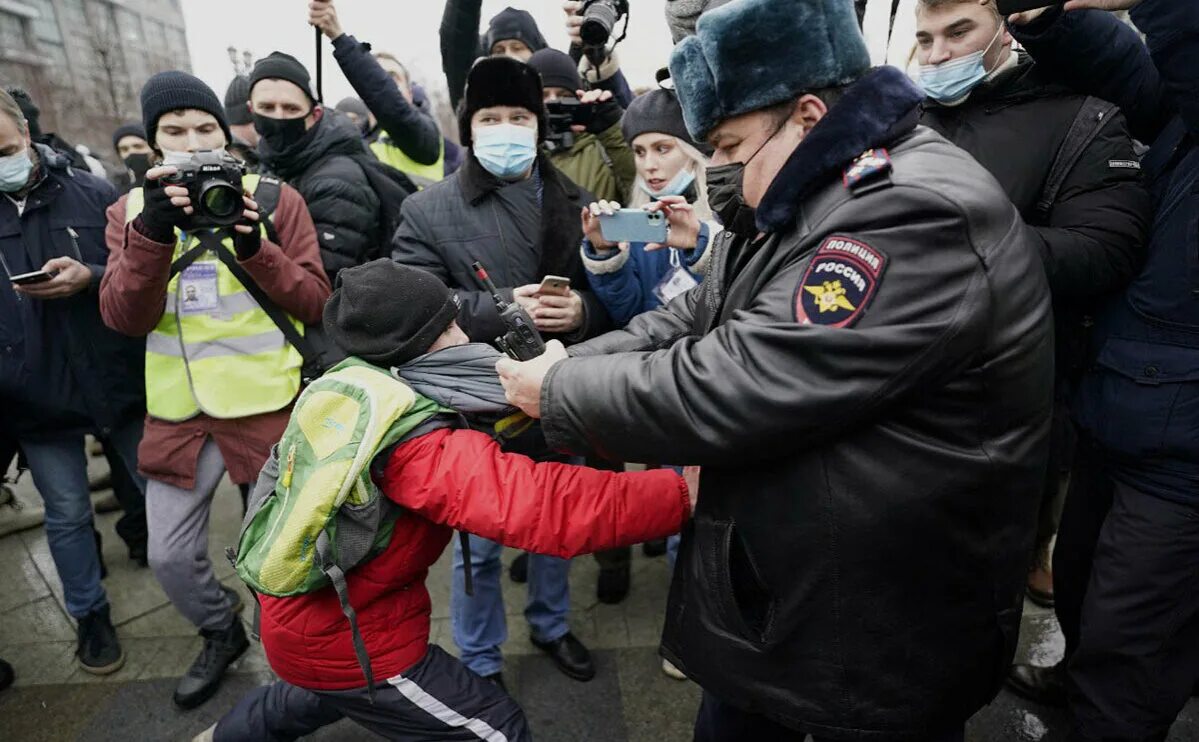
[561,114]
[213,183]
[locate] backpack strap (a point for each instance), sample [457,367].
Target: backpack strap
[1088,122]
[335,574]
[313,363]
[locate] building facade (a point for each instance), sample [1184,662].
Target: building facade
[84,61]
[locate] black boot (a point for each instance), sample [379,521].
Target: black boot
[613,584]
[1045,685]
[519,570]
[98,650]
[571,657]
[221,648]
[655,548]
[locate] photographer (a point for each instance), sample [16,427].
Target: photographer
[411,142]
[63,374]
[220,374]
[593,154]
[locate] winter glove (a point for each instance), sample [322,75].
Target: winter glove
[247,245]
[607,114]
[159,216]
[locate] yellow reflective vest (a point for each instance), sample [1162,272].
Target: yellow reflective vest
[421,175]
[214,350]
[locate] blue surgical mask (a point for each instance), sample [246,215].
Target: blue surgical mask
[677,186]
[505,150]
[14,171]
[953,80]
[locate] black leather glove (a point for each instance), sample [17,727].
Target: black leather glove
[159,216]
[607,114]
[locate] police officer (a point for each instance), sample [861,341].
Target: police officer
[865,379]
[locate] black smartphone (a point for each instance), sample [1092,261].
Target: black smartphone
[1008,7]
[25,279]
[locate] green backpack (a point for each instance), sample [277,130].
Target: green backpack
[315,513]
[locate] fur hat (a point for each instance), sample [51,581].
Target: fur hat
[500,81]
[751,54]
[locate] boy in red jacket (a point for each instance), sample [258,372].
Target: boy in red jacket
[403,319]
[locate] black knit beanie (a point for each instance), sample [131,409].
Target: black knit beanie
[177,91]
[657,111]
[557,70]
[511,23]
[237,95]
[130,129]
[280,66]
[29,110]
[500,81]
[386,313]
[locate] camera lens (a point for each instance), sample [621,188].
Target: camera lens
[598,21]
[220,200]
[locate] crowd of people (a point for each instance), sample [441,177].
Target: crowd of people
[901,350]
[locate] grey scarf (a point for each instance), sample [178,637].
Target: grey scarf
[461,377]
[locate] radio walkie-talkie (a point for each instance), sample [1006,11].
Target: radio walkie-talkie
[521,341]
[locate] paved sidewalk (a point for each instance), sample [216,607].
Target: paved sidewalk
[630,699]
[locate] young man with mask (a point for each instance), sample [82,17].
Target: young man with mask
[244,144]
[63,374]
[410,141]
[220,374]
[320,153]
[129,141]
[998,105]
[865,378]
[509,208]
[400,321]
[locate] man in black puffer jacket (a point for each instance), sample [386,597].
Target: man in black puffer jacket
[319,152]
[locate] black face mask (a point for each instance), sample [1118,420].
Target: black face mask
[726,197]
[280,134]
[138,163]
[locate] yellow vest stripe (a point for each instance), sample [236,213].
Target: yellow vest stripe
[421,175]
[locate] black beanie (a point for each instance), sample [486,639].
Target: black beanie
[353,105]
[386,313]
[511,23]
[131,129]
[500,81]
[237,95]
[280,66]
[557,70]
[29,110]
[177,91]
[657,111]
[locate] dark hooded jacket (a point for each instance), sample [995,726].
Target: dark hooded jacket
[867,387]
[325,168]
[61,370]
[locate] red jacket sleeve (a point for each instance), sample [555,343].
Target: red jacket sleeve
[133,292]
[462,479]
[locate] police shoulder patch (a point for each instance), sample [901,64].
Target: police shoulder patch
[839,283]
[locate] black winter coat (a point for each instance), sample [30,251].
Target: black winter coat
[459,220]
[1093,240]
[61,370]
[868,391]
[324,167]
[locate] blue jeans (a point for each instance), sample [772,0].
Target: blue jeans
[59,470]
[478,622]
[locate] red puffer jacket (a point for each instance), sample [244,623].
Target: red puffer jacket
[459,479]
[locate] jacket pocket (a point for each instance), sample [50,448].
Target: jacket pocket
[743,601]
[1150,399]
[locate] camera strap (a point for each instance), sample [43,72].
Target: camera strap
[180,264]
[313,361]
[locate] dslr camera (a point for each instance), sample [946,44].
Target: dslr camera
[213,183]
[599,19]
[561,114]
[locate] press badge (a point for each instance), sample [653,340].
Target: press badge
[676,281]
[198,289]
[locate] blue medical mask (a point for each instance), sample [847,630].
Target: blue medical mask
[953,80]
[677,186]
[505,150]
[14,171]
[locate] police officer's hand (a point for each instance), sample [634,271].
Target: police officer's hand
[165,205]
[323,15]
[70,278]
[684,225]
[591,223]
[248,238]
[522,380]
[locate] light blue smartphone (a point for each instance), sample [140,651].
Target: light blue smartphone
[633,225]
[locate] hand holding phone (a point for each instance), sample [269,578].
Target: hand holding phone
[633,225]
[28,279]
[554,286]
